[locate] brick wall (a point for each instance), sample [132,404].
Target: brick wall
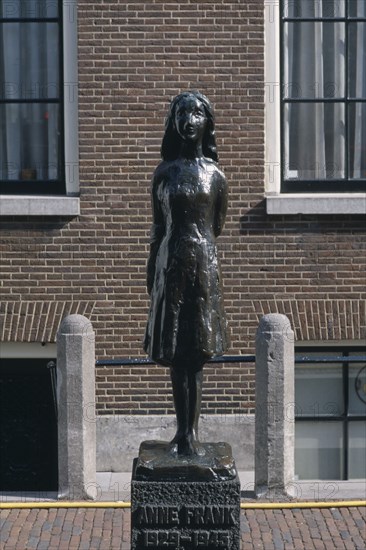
[133,58]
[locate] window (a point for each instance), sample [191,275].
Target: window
[31,104]
[330,412]
[38,107]
[323,69]
[316,106]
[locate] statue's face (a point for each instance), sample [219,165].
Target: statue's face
[190,119]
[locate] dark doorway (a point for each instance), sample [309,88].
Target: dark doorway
[28,426]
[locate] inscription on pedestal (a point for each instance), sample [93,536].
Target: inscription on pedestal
[194,539]
[189,514]
[185,526]
[185,516]
[189,520]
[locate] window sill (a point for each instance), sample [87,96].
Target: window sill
[330,203]
[26,205]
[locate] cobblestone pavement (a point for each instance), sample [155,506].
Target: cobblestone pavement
[109,529]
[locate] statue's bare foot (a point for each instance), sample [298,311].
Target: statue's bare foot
[187,445]
[178,437]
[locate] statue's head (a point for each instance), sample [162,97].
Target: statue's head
[172,140]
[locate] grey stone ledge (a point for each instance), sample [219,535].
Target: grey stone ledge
[119,437]
[322,203]
[27,205]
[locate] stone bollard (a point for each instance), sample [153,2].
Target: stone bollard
[275,401]
[76,409]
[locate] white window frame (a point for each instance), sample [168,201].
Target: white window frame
[68,204]
[278,203]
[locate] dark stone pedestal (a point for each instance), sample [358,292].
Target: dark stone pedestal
[185,502]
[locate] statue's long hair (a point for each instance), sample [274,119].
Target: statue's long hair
[170,146]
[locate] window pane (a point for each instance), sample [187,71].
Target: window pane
[357,8]
[29,141]
[314,141]
[357,60]
[313,8]
[314,60]
[357,140]
[357,450]
[357,390]
[29,60]
[318,390]
[318,452]
[28,8]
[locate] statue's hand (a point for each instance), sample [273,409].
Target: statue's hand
[150,271]
[149,284]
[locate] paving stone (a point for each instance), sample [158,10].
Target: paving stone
[98,529]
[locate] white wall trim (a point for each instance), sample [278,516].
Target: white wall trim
[27,350]
[71,92]
[330,344]
[30,205]
[331,203]
[272,97]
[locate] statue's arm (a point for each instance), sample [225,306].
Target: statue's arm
[157,231]
[221,204]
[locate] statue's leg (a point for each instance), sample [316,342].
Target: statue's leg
[195,397]
[187,394]
[181,401]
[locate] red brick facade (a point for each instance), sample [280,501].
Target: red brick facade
[133,58]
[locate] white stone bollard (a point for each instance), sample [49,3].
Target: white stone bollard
[275,403]
[76,409]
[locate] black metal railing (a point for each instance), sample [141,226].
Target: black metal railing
[299,359]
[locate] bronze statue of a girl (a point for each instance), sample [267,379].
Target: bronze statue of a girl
[186,324]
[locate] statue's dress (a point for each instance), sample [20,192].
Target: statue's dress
[186,323]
